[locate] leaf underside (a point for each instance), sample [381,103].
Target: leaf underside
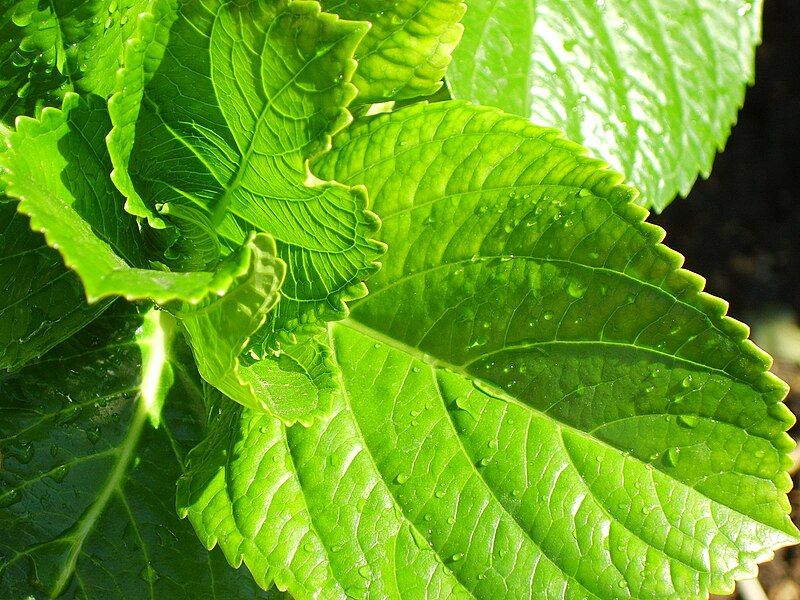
[245,94]
[652,87]
[536,401]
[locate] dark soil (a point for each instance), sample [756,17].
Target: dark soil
[741,228]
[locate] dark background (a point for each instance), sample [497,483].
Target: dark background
[741,227]
[741,230]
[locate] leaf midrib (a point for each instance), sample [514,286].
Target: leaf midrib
[492,390]
[90,518]
[572,263]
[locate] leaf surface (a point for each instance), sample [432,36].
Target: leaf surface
[50,48]
[652,87]
[406,51]
[536,401]
[87,485]
[43,302]
[59,176]
[245,94]
[57,168]
[219,329]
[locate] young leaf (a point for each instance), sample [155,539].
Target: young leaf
[245,94]
[43,302]
[57,168]
[536,400]
[406,51]
[653,87]
[49,48]
[240,313]
[87,485]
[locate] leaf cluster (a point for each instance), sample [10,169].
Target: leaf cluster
[271,282]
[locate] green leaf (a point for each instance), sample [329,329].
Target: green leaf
[49,48]
[87,485]
[536,400]
[245,94]
[57,168]
[219,328]
[407,50]
[42,302]
[652,87]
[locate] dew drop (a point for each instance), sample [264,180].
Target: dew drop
[688,421]
[149,574]
[401,478]
[10,497]
[457,557]
[671,457]
[59,474]
[576,289]
[93,434]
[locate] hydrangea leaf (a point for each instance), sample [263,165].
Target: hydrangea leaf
[57,169]
[652,87]
[49,48]
[87,485]
[407,50]
[536,400]
[234,143]
[43,302]
[242,312]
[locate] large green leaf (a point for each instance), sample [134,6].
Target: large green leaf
[653,87]
[406,51]
[537,402]
[245,94]
[42,302]
[49,48]
[87,485]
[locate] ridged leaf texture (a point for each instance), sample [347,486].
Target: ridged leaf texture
[50,48]
[652,87]
[87,484]
[536,400]
[407,50]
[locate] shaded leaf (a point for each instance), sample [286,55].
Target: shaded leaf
[42,302]
[50,48]
[86,485]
